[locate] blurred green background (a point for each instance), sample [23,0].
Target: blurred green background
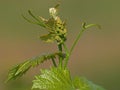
[96,56]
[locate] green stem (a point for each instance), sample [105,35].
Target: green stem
[60,47]
[73,46]
[60,58]
[65,47]
[54,63]
[67,55]
[76,40]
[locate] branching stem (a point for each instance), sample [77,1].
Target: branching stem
[76,41]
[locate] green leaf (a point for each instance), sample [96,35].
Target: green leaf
[48,38]
[81,83]
[60,79]
[50,23]
[21,69]
[53,79]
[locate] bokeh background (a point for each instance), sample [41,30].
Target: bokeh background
[96,56]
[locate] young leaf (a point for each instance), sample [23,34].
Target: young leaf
[54,79]
[60,79]
[22,68]
[48,38]
[81,83]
